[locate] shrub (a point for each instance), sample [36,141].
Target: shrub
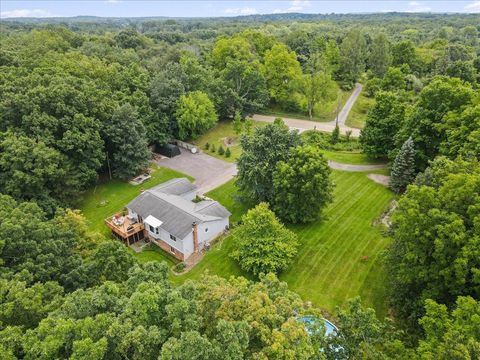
[212,148]
[228,153]
[221,150]
[179,267]
[207,145]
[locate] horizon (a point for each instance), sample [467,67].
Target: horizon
[223,9]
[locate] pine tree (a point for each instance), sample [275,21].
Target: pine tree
[221,150]
[207,146]
[212,148]
[228,153]
[403,169]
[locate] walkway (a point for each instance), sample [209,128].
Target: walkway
[303,125]
[355,168]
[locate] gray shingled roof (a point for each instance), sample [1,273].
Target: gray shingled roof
[177,213]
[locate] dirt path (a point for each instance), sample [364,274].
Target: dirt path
[302,125]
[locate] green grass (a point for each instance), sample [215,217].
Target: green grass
[217,135]
[323,112]
[328,269]
[358,113]
[154,253]
[111,196]
[348,157]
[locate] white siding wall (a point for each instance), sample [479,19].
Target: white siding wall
[165,236]
[214,228]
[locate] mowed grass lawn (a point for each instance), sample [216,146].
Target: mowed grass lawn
[217,135]
[350,157]
[111,196]
[340,254]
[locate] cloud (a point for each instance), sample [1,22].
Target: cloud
[241,11]
[473,7]
[17,13]
[415,6]
[295,6]
[112,1]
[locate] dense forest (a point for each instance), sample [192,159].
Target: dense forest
[85,98]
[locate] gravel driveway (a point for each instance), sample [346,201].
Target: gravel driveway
[208,172]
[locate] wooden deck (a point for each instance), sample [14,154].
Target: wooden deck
[125,230]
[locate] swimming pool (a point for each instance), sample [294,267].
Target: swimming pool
[310,321]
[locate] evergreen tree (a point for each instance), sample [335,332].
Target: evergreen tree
[237,123]
[403,170]
[221,150]
[228,153]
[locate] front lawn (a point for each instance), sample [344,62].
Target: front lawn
[323,112]
[340,255]
[350,157]
[217,135]
[110,196]
[154,253]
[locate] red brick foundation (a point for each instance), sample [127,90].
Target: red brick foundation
[165,247]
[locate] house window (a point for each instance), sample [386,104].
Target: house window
[156,230]
[172,249]
[152,229]
[173,237]
[206,230]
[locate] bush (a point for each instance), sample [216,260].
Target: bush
[179,267]
[207,145]
[212,148]
[221,150]
[228,153]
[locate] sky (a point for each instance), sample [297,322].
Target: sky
[133,8]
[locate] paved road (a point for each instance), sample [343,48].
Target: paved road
[302,125]
[208,172]
[355,168]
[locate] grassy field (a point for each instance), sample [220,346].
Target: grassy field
[111,196]
[218,134]
[339,256]
[154,253]
[358,113]
[322,113]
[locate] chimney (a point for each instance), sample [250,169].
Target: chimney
[195,237]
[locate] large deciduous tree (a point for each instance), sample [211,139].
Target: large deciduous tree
[261,243]
[282,72]
[127,145]
[426,122]
[435,251]
[353,50]
[383,122]
[195,115]
[380,57]
[302,185]
[257,163]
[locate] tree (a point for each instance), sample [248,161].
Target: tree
[425,124]
[302,185]
[403,52]
[195,115]
[353,50]
[261,243]
[257,163]
[394,80]
[282,72]
[380,57]
[403,168]
[317,84]
[383,121]
[237,123]
[450,335]
[435,253]
[126,144]
[335,135]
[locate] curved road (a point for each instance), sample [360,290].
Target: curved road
[302,125]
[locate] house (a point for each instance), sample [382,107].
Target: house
[168,216]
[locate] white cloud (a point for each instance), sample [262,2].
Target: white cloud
[473,7]
[415,6]
[112,1]
[295,6]
[241,11]
[38,13]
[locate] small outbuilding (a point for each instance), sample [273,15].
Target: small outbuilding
[168,150]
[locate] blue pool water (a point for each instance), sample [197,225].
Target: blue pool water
[310,321]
